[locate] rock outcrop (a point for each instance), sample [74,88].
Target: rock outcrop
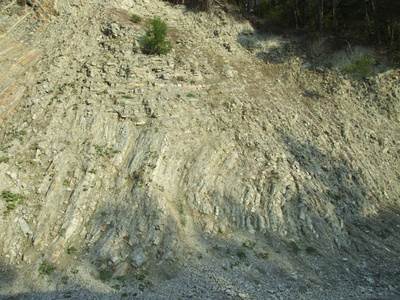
[121,163]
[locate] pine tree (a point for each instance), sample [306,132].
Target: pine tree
[155,40]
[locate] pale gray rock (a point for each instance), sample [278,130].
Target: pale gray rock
[306,65]
[138,258]
[24,227]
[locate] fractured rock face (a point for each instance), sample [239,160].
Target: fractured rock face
[129,161]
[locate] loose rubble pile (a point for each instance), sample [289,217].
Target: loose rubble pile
[241,165]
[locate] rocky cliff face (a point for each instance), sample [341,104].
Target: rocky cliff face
[234,148]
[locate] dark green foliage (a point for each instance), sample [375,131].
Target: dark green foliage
[361,68]
[140,277]
[198,4]
[311,250]
[295,248]
[332,195]
[181,209]
[263,255]
[249,244]
[4,159]
[71,250]
[103,150]
[10,206]
[14,134]
[155,40]
[376,21]
[11,199]
[64,279]
[105,274]
[241,254]
[46,269]
[136,19]
[277,11]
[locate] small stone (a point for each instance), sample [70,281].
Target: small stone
[306,65]
[24,226]
[55,257]
[370,280]
[138,258]
[12,175]
[115,259]
[272,189]
[140,122]
[156,240]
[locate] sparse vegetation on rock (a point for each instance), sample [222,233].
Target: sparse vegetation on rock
[136,18]
[21,2]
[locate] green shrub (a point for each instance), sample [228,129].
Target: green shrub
[241,254]
[46,269]
[71,250]
[249,244]
[4,159]
[11,199]
[292,245]
[140,277]
[311,250]
[136,19]
[263,255]
[155,40]
[105,275]
[361,68]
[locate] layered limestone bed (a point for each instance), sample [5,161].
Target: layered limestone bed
[240,165]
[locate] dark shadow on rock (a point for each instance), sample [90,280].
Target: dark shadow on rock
[345,188]
[311,94]
[269,47]
[372,238]
[7,275]
[236,268]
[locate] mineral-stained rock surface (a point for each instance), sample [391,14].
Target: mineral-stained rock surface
[242,165]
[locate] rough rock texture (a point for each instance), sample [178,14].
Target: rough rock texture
[241,165]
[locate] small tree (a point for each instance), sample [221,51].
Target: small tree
[155,40]
[361,68]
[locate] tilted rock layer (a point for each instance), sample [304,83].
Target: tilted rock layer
[128,161]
